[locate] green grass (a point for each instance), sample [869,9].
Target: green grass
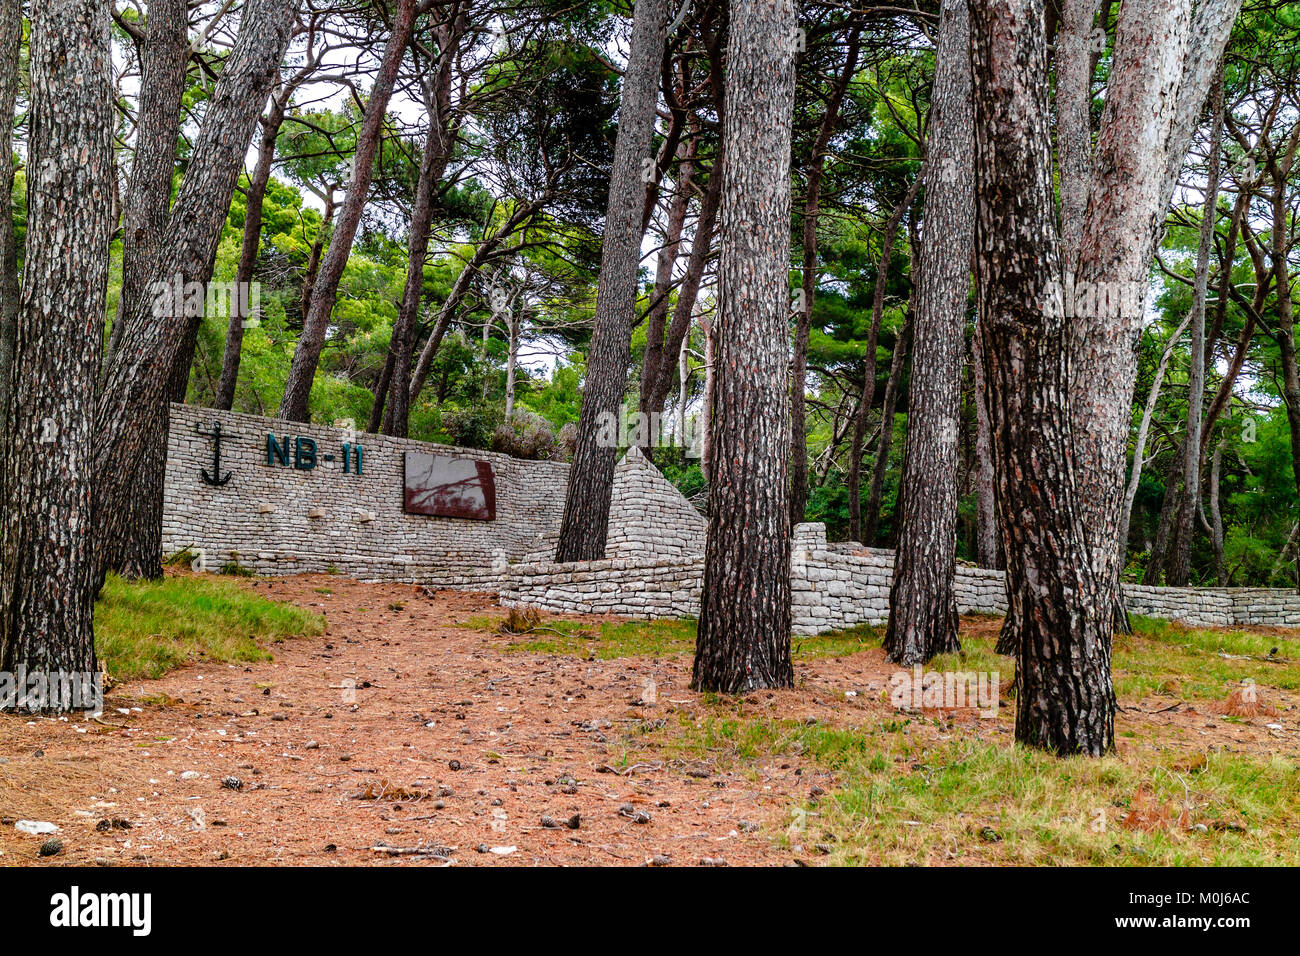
[1160,651]
[146,628]
[612,639]
[658,638]
[904,798]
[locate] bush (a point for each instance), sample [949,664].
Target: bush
[525,435]
[568,441]
[469,427]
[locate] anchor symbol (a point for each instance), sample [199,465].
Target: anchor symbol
[215,435]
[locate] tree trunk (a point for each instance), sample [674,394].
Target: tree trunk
[254,197]
[1216,518]
[655,362]
[743,639]
[1144,428]
[1179,567]
[11,35]
[154,346]
[313,258]
[861,414]
[585,524]
[922,604]
[138,553]
[297,390]
[986,527]
[803,324]
[1064,699]
[1165,56]
[1169,506]
[438,146]
[165,58]
[710,383]
[432,165]
[687,294]
[514,321]
[890,405]
[47,561]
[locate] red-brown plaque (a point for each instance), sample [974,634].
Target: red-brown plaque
[449,487]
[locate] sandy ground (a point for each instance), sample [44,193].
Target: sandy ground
[450,750]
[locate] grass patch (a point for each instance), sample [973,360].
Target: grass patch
[611,639]
[906,800]
[1167,657]
[146,628]
[658,638]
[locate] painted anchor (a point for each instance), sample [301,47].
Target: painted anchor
[215,435]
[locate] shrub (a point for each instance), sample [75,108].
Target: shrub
[469,427]
[525,435]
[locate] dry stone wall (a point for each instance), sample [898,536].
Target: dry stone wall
[275,517]
[303,505]
[282,518]
[837,586]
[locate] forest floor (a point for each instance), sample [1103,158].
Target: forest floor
[411,731]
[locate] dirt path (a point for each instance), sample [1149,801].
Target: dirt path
[461,747]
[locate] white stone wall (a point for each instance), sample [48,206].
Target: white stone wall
[841,585]
[648,516]
[276,519]
[644,587]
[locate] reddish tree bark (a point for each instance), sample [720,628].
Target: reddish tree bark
[922,604]
[743,639]
[585,523]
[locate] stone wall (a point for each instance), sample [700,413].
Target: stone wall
[635,587]
[280,519]
[275,518]
[648,516]
[838,586]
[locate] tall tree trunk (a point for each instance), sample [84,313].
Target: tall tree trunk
[861,414]
[514,322]
[165,58]
[1169,506]
[46,555]
[986,520]
[585,524]
[152,353]
[312,268]
[254,198]
[888,409]
[432,165]
[297,390]
[922,604]
[1180,565]
[1166,52]
[803,323]
[11,36]
[687,294]
[1064,699]
[138,553]
[438,146]
[1216,518]
[707,326]
[655,361]
[1144,428]
[743,639]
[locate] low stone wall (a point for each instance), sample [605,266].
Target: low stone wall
[833,587]
[650,588]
